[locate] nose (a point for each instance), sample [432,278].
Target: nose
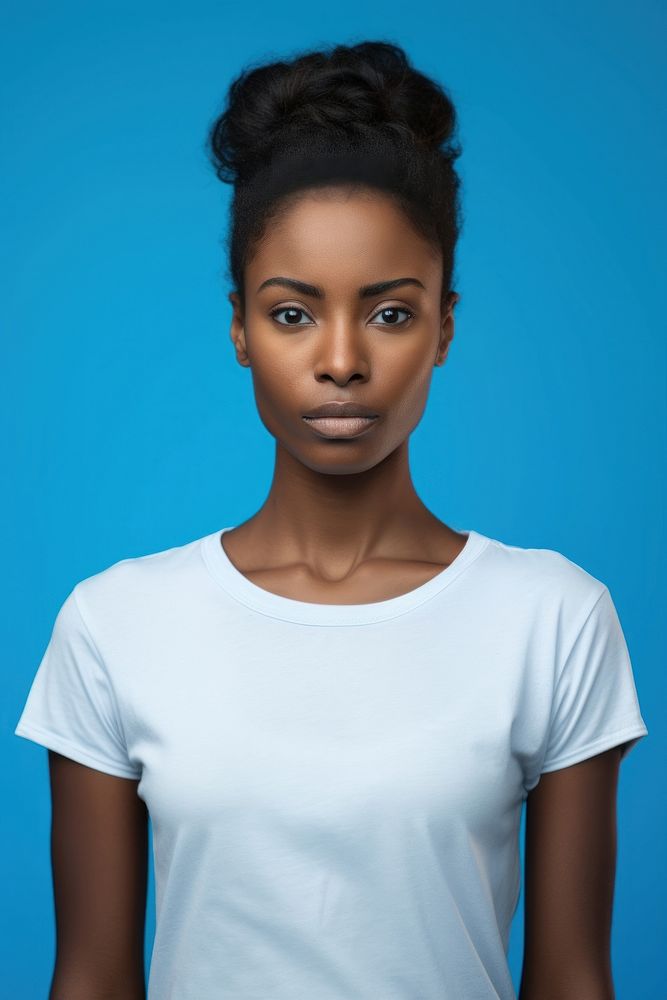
[341,354]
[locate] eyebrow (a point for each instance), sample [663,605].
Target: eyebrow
[315,292]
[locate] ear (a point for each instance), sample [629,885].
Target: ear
[237,330]
[446,329]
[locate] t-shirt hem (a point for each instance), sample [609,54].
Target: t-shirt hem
[602,743]
[53,741]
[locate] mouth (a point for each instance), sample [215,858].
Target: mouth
[340,427]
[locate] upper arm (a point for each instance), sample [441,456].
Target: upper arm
[570,864]
[99,842]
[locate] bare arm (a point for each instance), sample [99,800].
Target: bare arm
[570,860]
[99,855]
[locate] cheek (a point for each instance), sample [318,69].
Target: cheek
[279,392]
[406,386]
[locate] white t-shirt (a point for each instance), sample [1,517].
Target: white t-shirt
[335,790]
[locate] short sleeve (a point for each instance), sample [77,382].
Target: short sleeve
[71,706]
[595,704]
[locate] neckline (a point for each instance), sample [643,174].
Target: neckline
[273,605]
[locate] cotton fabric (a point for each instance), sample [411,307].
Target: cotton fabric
[335,791]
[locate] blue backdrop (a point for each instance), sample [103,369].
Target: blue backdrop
[131,428]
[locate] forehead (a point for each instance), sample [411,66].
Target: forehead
[337,235]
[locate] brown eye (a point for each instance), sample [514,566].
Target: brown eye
[392,310]
[291,311]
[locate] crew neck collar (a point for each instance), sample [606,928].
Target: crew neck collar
[307,613]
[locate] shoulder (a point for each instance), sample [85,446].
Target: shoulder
[541,581]
[134,584]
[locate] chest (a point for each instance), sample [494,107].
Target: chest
[321,727]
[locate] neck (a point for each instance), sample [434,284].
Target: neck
[308,515]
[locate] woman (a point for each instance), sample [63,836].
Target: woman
[334,711]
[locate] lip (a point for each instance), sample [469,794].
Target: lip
[340,427]
[338,408]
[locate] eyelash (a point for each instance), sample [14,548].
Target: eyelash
[274,313]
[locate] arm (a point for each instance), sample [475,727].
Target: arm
[570,860]
[99,840]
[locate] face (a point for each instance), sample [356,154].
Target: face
[332,337]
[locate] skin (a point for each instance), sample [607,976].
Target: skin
[99,857]
[342,523]
[570,865]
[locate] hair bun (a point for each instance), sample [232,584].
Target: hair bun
[342,91]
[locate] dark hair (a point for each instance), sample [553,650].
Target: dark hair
[357,115]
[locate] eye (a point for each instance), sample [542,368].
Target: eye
[288,309]
[395,309]
[295,311]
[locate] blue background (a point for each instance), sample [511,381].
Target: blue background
[131,428]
